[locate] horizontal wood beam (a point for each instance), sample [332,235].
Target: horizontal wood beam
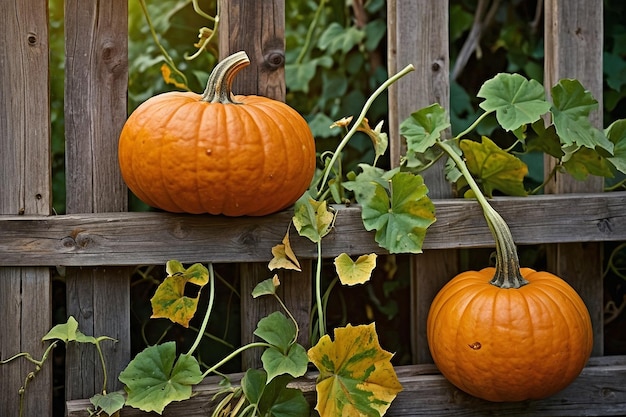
[598,389]
[100,239]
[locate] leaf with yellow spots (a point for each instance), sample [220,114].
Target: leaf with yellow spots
[169,300]
[356,375]
[494,167]
[355,272]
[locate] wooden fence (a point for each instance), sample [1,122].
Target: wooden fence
[98,240]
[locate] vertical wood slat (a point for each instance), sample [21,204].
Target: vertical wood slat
[259,29]
[25,293]
[96,81]
[418,35]
[573,49]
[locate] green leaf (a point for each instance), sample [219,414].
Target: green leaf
[616,133]
[422,130]
[355,272]
[320,125]
[495,168]
[312,218]
[266,287]
[570,115]
[394,204]
[516,100]
[545,140]
[152,379]
[279,401]
[585,162]
[110,403]
[294,362]
[337,38]
[290,402]
[277,330]
[298,76]
[253,384]
[68,332]
[273,398]
[356,375]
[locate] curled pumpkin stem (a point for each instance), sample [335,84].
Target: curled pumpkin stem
[507,273]
[219,85]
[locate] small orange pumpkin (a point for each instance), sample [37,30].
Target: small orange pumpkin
[505,333]
[217,153]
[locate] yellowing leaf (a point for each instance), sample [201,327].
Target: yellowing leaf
[379,139]
[494,167]
[166,73]
[284,257]
[343,122]
[169,300]
[352,273]
[312,218]
[356,375]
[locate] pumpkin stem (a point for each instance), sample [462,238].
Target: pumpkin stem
[508,273]
[219,86]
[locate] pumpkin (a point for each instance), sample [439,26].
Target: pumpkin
[217,153]
[508,333]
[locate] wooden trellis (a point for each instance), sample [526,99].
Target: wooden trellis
[98,240]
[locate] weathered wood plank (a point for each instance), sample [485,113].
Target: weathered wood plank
[25,299]
[418,35]
[573,43]
[598,391]
[154,238]
[96,79]
[259,29]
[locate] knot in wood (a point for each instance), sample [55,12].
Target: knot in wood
[605,225]
[274,59]
[32,39]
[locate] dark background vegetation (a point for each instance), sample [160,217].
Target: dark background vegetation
[330,75]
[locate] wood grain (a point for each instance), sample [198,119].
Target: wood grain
[574,45]
[417,37]
[259,29]
[96,79]
[597,391]
[25,299]
[153,238]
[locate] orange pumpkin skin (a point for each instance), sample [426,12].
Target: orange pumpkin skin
[231,155]
[509,344]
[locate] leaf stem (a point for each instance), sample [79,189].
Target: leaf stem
[166,56]
[309,33]
[357,122]
[209,308]
[473,125]
[291,317]
[104,368]
[507,273]
[546,180]
[233,354]
[321,320]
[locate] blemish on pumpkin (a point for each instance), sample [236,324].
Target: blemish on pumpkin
[209,152]
[475,345]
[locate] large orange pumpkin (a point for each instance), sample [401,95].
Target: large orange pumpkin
[508,333]
[217,153]
[509,344]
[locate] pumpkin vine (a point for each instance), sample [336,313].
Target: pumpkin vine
[507,273]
